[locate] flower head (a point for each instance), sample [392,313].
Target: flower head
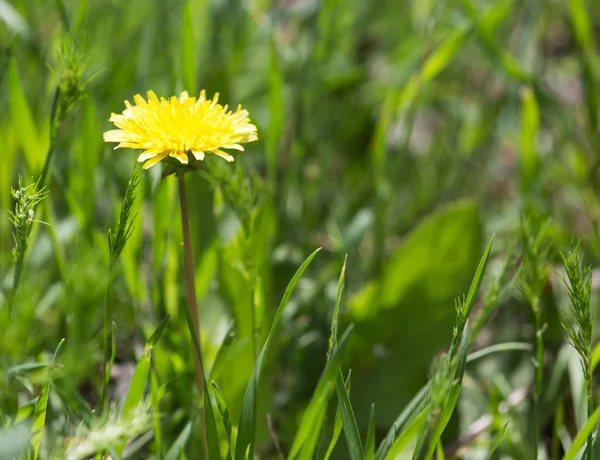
[180,127]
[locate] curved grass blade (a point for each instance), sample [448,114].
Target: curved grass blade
[39,412]
[348,420]
[247,425]
[402,419]
[407,435]
[581,438]
[498,439]
[337,430]
[454,392]
[304,443]
[370,439]
[222,406]
[177,448]
[474,289]
[498,348]
[39,420]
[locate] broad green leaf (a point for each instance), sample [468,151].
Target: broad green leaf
[348,420]
[416,289]
[137,386]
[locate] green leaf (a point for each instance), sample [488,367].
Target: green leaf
[581,438]
[153,339]
[247,423]
[23,121]
[498,348]
[435,263]
[474,288]
[188,50]
[407,435]
[581,23]
[349,421]
[179,445]
[222,407]
[530,122]
[400,421]
[454,392]
[137,386]
[305,441]
[336,309]
[337,429]
[370,439]
[39,420]
[497,441]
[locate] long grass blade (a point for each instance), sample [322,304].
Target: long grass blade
[247,425]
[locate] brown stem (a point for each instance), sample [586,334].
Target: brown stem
[191,296]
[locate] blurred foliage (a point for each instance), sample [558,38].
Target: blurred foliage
[401,134]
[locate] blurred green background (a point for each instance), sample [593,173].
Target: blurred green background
[402,134]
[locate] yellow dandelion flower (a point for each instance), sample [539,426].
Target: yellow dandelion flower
[180,126]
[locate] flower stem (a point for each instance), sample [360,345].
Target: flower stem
[191,295]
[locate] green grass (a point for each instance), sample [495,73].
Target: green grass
[400,137]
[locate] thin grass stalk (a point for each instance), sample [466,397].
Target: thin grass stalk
[191,295]
[105,349]
[539,375]
[590,406]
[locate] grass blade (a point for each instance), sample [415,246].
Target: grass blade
[247,424]
[474,289]
[222,407]
[348,420]
[304,443]
[337,430]
[581,438]
[401,420]
[39,420]
[455,391]
[214,450]
[370,439]
[179,445]
[407,435]
[498,439]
